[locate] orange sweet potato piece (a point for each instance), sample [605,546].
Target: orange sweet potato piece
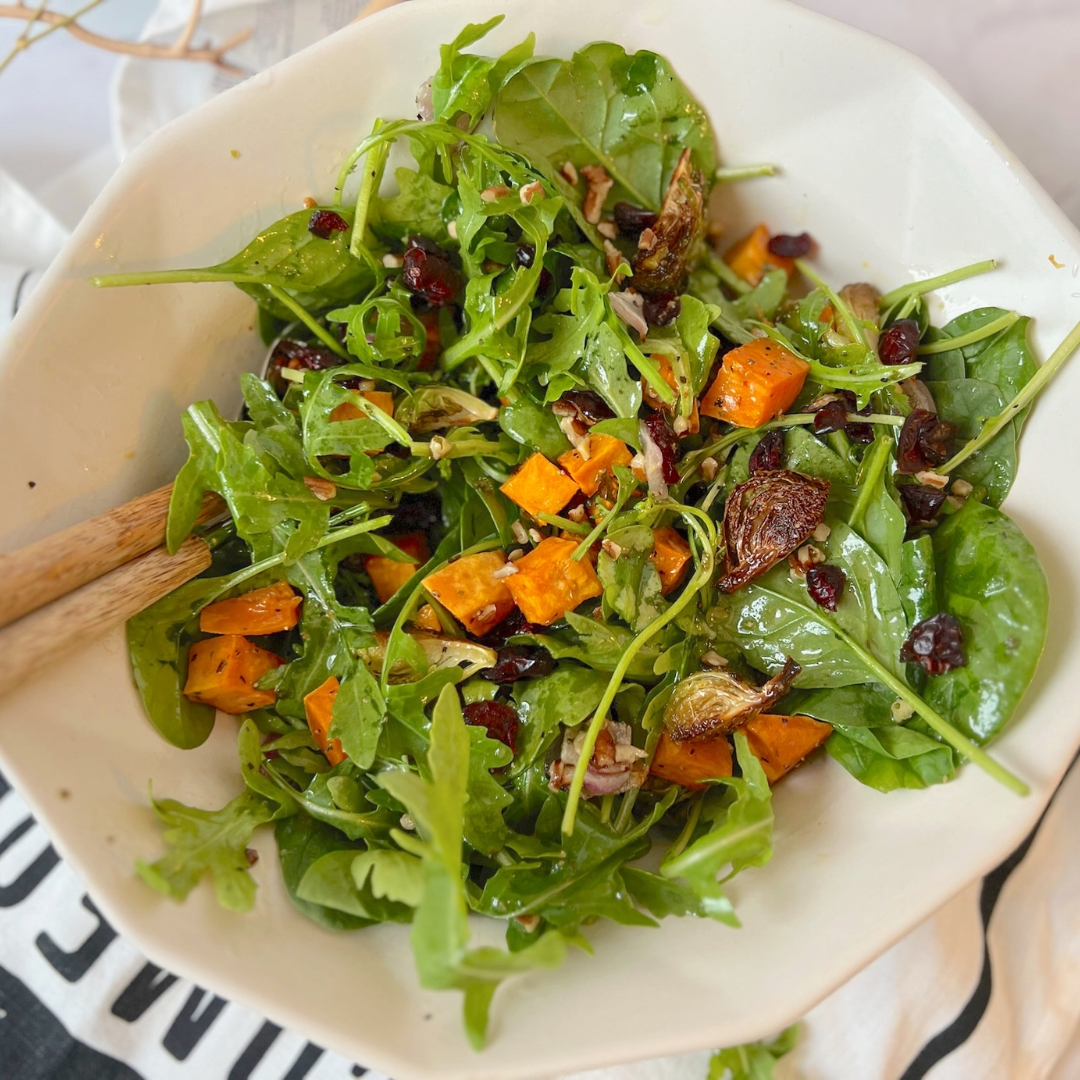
[548,582]
[750,255]
[668,374]
[605,452]
[261,611]
[756,383]
[691,762]
[223,671]
[426,619]
[782,742]
[387,575]
[539,487]
[671,554]
[469,590]
[319,710]
[348,411]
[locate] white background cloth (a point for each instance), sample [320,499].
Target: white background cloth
[66,114]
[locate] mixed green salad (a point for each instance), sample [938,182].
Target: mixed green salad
[562,526]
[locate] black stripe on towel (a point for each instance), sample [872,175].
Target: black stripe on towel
[962,1028]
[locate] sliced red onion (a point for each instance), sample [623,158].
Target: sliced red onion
[629,307]
[653,464]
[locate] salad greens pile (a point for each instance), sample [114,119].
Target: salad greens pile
[492,698]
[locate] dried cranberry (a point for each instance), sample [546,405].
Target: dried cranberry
[297,356]
[936,643]
[825,584]
[427,272]
[514,623]
[900,343]
[924,441]
[586,405]
[501,721]
[417,512]
[324,223]
[251,855]
[662,309]
[831,417]
[665,438]
[861,433]
[524,255]
[768,455]
[633,219]
[791,247]
[921,502]
[544,284]
[519,662]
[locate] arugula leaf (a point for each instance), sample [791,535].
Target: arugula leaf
[259,497]
[564,698]
[394,875]
[440,927]
[753,1061]
[330,882]
[465,83]
[208,842]
[598,645]
[627,112]
[741,836]
[989,577]
[419,207]
[528,422]
[632,587]
[485,830]
[358,716]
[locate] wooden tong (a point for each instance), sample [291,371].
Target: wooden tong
[63,591]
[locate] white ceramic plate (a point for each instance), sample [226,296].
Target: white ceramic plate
[894,177]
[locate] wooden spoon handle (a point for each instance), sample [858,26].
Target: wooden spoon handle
[47,635]
[52,567]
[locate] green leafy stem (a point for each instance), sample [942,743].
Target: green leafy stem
[1027,394]
[704,531]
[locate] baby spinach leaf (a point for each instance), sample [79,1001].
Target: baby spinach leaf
[806,453]
[889,756]
[773,618]
[876,514]
[917,583]
[534,426]
[157,641]
[967,403]
[302,841]
[208,842]
[740,836]
[868,705]
[989,577]
[661,896]
[466,83]
[566,697]
[627,112]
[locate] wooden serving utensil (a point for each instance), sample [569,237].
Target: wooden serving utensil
[64,590]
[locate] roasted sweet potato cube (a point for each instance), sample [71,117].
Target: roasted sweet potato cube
[691,762]
[388,575]
[548,582]
[605,453]
[319,710]
[348,411]
[751,255]
[757,382]
[469,590]
[782,742]
[427,619]
[261,611]
[539,487]
[668,374]
[223,671]
[671,555]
